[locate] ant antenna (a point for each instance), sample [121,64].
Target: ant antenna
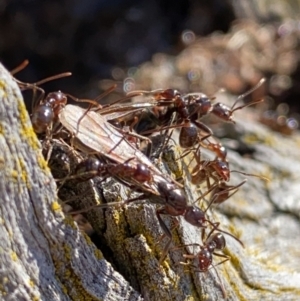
[259,84]
[251,175]
[20,67]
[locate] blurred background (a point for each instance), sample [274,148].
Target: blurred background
[149,44]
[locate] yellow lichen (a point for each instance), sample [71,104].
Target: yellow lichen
[31,283]
[27,131]
[35,298]
[2,84]
[98,254]
[69,221]
[43,163]
[253,138]
[2,132]
[55,206]
[87,238]
[24,174]
[71,283]
[14,256]
[14,174]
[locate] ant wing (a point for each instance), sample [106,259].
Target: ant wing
[127,107]
[96,135]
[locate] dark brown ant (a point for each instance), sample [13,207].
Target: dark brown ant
[45,109]
[189,110]
[205,169]
[91,167]
[222,192]
[46,113]
[225,113]
[175,205]
[216,169]
[171,196]
[204,257]
[170,101]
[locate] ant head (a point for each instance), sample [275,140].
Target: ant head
[223,112]
[56,100]
[222,168]
[195,216]
[226,114]
[216,241]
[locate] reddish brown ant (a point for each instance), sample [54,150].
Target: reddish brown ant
[219,150]
[189,109]
[46,113]
[44,110]
[225,113]
[204,257]
[205,169]
[222,191]
[92,167]
[191,213]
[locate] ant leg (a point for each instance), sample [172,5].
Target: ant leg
[217,195]
[223,256]
[135,135]
[164,235]
[251,175]
[167,233]
[204,128]
[220,280]
[117,204]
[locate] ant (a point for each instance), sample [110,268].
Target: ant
[189,109]
[191,213]
[219,150]
[217,169]
[173,199]
[204,257]
[91,167]
[204,169]
[222,191]
[45,110]
[171,101]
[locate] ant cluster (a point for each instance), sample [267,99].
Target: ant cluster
[108,140]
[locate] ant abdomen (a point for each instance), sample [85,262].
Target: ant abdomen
[188,136]
[41,118]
